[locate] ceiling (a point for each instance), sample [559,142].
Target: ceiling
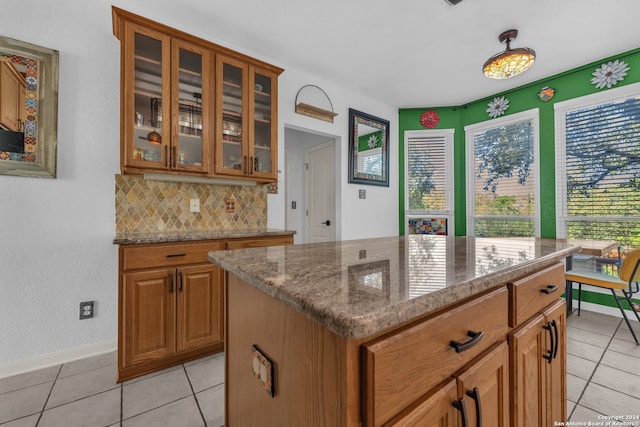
[414,53]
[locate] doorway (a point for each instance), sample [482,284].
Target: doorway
[311,190]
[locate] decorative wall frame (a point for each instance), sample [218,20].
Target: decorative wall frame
[30,147]
[368,149]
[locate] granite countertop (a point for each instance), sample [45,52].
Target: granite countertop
[186,236]
[361,287]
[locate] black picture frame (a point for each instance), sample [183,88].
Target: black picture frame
[371,165]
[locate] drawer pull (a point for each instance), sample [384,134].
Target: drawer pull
[463,346]
[475,395]
[460,406]
[175,255]
[549,289]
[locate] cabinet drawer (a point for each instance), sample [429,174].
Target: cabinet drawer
[401,367]
[166,255]
[259,242]
[530,295]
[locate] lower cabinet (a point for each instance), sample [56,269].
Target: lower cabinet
[171,303]
[478,396]
[538,366]
[169,311]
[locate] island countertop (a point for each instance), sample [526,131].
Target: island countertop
[358,288]
[127,238]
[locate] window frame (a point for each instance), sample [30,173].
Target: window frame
[449,212]
[476,128]
[560,111]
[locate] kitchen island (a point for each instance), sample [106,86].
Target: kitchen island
[396,330]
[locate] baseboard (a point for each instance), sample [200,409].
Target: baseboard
[602,309]
[41,361]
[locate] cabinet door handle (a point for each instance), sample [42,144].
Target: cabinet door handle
[166,156]
[180,273]
[549,289]
[252,165]
[475,395]
[171,283]
[175,156]
[463,346]
[460,406]
[175,255]
[555,349]
[246,165]
[549,357]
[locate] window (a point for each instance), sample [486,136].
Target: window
[429,181]
[502,181]
[598,166]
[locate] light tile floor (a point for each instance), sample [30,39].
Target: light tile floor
[603,364]
[85,393]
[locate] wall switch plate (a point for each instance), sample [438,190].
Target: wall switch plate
[194,205]
[362,194]
[86,310]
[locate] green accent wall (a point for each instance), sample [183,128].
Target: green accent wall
[568,85]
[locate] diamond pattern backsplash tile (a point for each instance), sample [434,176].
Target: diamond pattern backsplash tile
[152,206]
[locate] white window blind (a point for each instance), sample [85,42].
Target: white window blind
[502,177]
[599,177]
[429,175]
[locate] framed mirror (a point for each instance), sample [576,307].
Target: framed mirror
[368,149]
[28,109]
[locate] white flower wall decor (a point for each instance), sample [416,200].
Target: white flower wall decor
[497,107]
[373,141]
[609,74]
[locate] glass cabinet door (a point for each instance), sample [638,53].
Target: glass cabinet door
[231,153]
[190,103]
[146,144]
[263,124]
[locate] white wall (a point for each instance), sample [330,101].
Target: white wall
[55,235]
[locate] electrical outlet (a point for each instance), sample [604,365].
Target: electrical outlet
[86,310]
[194,205]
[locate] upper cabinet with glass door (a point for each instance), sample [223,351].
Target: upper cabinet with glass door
[181,114]
[167,91]
[246,137]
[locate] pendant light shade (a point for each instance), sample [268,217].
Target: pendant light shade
[511,62]
[154,138]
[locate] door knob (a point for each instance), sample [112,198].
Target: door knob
[327,223]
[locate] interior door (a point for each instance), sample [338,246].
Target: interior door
[320,210]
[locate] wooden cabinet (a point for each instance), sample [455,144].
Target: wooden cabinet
[246,137]
[410,375]
[171,306]
[12,98]
[166,104]
[171,302]
[479,395]
[189,106]
[538,354]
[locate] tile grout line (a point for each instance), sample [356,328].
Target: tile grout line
[204,420]
[49,395]
[595,369]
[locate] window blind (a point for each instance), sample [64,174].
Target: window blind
[602,171]
[504,180]
[426,174]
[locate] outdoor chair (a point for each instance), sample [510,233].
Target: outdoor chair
[622,287]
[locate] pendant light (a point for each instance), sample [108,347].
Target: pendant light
[511,62]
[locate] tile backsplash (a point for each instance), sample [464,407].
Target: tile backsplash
[151,206]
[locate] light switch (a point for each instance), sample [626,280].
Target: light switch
[362,194]
[194,205]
